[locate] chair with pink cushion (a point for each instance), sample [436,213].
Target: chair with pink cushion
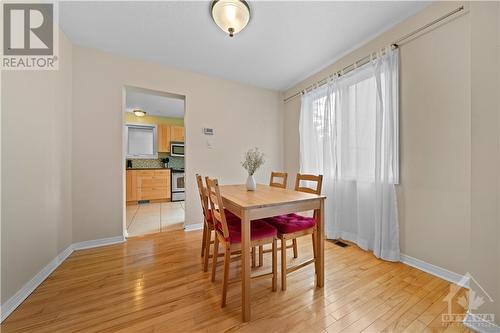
[292,226]
[208,225]
[278,179]
[229,235]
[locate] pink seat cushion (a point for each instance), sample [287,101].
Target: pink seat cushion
[259,229]
[290,223]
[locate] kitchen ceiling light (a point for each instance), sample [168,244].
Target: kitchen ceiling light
[139,112]
[231,16]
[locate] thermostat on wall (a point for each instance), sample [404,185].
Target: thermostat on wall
[208,131]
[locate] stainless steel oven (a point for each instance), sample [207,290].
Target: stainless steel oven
[177,186]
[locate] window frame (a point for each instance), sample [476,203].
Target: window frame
[154,128]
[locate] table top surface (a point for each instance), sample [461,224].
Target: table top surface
[264,196]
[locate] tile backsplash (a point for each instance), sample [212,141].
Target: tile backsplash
[174,163]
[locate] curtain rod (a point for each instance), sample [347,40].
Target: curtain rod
[366,59]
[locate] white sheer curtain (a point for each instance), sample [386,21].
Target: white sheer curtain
[349,133]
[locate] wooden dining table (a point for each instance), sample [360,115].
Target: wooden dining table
[267,201]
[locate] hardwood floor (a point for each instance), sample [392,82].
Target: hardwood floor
[155,283]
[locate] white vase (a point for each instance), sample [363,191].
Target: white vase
[251,185]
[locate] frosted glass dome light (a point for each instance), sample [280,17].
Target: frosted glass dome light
[231,16]
[139,112]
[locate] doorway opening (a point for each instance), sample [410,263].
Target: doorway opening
[153,150]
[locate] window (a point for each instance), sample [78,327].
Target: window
[349,127]
[141,141]
[349,133]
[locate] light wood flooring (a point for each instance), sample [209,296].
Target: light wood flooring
[155,283]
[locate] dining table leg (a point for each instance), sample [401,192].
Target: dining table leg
[320,245]
[245,266]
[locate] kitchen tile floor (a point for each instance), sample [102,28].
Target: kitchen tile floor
[154,217]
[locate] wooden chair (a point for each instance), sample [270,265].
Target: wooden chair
[208,225]
[230,237]
[281,176]
[281,183]
[291,226]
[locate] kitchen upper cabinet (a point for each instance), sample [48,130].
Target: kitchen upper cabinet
[168,134]
[177,134]
[164,138]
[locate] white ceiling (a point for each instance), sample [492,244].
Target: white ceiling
[284,42]
[155,104]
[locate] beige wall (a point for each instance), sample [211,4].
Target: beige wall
[132,118]
[36,166]
[448,136]
[485,88]
[434,194]
[498,205]
[242,116]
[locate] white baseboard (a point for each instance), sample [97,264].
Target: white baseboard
[98,242]
[12,303]
[192,227]
[480,325]
[444,274]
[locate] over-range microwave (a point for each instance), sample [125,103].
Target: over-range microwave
[177,149]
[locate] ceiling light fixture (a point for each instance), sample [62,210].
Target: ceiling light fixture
[231,16]
[139,112]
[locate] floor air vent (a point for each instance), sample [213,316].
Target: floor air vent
[338,242]
[341,244]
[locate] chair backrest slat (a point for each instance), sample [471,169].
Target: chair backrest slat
[318,179]
[281,176]
[204,199]
[217,205]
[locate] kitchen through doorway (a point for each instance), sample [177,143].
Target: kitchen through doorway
[154,145]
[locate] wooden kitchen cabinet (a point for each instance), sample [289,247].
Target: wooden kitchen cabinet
[168,134]
[177,133]
[164,138]
[131,186]
[153,185]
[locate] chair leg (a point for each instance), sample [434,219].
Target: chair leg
[227,260]
[283,264]
[275,264]
[261,256]
[314,251]
[203,242]
[253,256]
[215,256]
[295,252]
[208,238]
